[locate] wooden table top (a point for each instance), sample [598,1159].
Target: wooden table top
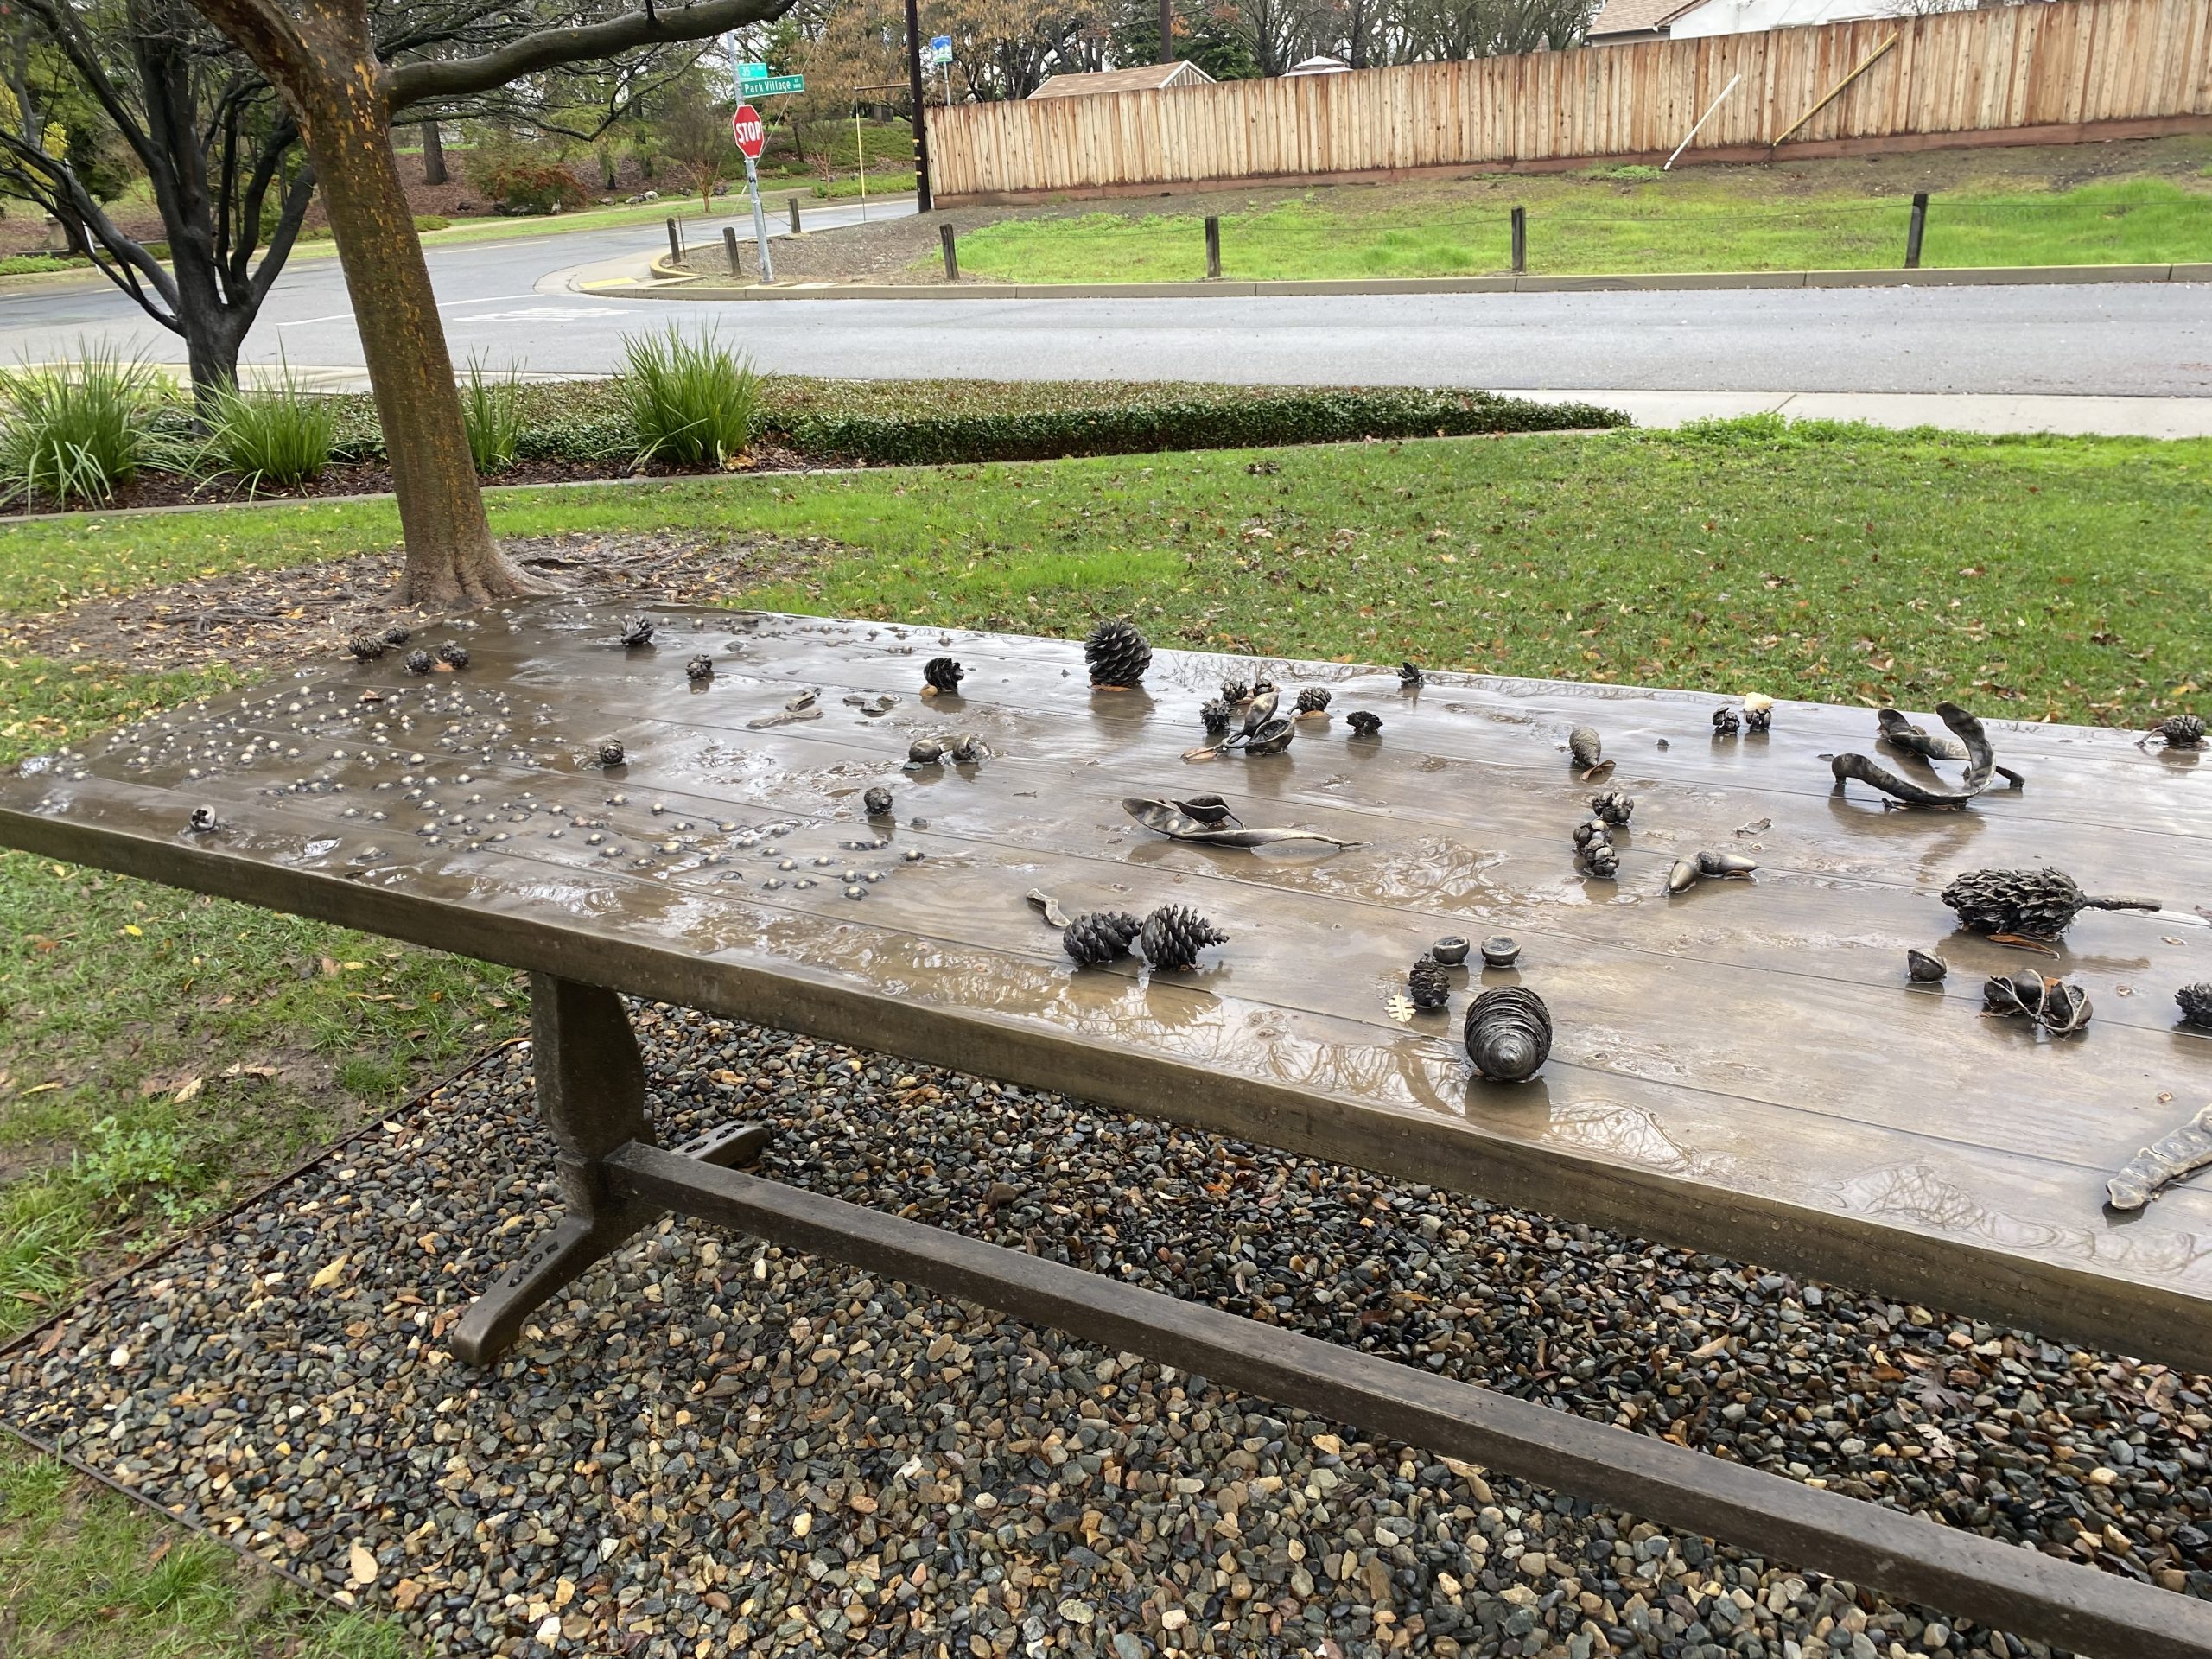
[1743,1067]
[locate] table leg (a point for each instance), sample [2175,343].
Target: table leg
[591,1097]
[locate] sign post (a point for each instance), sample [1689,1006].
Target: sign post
[752,135]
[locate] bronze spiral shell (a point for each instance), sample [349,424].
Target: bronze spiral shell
[1508,1034]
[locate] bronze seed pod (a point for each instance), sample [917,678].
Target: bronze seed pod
[1924,967]
[1209,809]
[1500,950]
[610,752]
[1724,864]
[1587,750]
[202,821]
[1270,739]
[699,669]
[1725,722]
[1364,724]
[877,801]
[2182,731]
[943,676]
[969,751]
[1215,714]
[396,635]
[1451,950]
[924,751]
[2195,1004]
[1101,936]
[453,656]
[1614,806]
[1508,1034]
[419,662]
[1603,860]
[1235,691]
[1429,985]
[1684,875]
[365,647]
[1173,935]
[638,631]
[1313,700]
[1117,654]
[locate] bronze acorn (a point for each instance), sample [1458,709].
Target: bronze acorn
[1100,937]
[1724,864]
[876,802]
[1117,654]
[1508,1034]
[1216,714]
[1500,950]
[1313,700]
[418,662]
[943,676]
[1235,691]
[1924,967]
[924,751]
[396,635]
[2059,1007]
[1173,935]
[453,656]
[638,631]
[1614,806]
[2182,731]
[610,752]
[1587,750]
[1364,724]
[1725,720]
[2195,1003]
[1429,985]
[365,647]
[700,667]
[2025,904]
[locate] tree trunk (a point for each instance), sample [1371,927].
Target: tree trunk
[450,555]
[434,154]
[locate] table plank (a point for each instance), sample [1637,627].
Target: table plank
[1740,1067]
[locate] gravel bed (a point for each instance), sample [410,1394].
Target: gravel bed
[710,1447]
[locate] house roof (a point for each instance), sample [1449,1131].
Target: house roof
[1143,78]
[1637,16]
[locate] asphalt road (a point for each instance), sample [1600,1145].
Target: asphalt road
[512,303]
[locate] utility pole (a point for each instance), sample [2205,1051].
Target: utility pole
[1168,31]
[921,112]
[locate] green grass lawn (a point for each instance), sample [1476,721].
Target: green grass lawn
[1680,223]
[160,1053]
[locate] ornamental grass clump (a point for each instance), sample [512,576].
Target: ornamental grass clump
[78,430]
[277,436]
[490,406]
[691,401]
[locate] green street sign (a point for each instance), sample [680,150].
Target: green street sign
[770,86]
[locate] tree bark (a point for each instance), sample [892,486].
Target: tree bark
[451,558]
[434,154]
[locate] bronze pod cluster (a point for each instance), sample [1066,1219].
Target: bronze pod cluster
[2055,1004]
[1508,1034]
[1594,845]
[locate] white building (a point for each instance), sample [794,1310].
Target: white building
[1621,21]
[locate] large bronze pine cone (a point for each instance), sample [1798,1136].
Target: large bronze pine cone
[1174,934]
[2182,731]
[2195,1003]
[1117,654]
[2032,903]
[1100,937]
[1508,1034]
[1428,984]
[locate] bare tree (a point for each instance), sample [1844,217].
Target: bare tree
[344,92]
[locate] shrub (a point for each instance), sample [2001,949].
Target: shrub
[518,188]
[279,435]
[431,222]
[493,410]
[1182,424]
[28,265]
[691,402]
[77,431]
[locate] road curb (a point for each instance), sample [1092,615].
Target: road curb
[697,286]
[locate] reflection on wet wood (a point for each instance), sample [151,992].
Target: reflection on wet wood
[1741,1066]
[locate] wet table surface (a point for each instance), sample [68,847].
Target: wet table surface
[1742,1067]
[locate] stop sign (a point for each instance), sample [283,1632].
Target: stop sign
[750,132]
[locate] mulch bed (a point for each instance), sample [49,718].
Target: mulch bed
[148,488]
[276,617]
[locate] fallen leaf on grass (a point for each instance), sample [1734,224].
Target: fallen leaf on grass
[189,1089]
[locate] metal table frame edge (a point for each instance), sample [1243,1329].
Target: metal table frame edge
[590,1081]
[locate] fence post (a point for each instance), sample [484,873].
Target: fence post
[1213,247]
[1916,229]
[951,257]
[1520,240]
[793,201]
[729,246]
[675,241]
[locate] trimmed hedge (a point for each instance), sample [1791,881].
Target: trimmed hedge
[1259,421]
[927,423]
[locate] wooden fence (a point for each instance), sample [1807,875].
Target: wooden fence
[2023,74]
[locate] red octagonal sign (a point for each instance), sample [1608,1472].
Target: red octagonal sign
[750,132]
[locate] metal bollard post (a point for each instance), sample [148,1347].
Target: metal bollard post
[793,202]
[1520,240]
[951,258]
[729,246]
[1916,229]
[675,241]
[1213,247]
